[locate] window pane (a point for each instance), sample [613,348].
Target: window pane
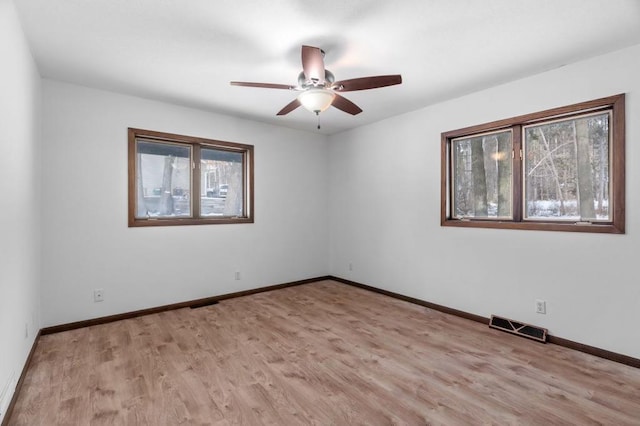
[566,169]
[482,176]
[163,180]
[222,183]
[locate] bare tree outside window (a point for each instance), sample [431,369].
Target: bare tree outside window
[183,180]
[162,179]
[567,169]
[561,170]
[222,175]
[482,177]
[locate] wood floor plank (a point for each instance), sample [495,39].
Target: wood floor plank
[316,354]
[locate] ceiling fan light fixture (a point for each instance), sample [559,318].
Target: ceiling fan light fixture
[316,100]
[318,86]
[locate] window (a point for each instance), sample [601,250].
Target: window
[183,180]
[560,170]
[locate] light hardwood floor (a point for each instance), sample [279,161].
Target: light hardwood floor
[322,353]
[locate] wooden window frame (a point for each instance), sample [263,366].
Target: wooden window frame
[196,144]
[615,104]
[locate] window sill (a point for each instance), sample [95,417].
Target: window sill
[605,228]
[188,221]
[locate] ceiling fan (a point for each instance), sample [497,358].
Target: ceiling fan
[318,87]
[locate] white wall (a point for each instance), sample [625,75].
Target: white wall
[20,94]
[88,245]
[314,202]
[385,216]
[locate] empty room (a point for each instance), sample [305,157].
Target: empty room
[336,213]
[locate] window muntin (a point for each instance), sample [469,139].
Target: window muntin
[566,169]
[482,176]
[182,180]
[596,128]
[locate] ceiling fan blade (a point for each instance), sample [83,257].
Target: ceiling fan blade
[346,105]
[289,107]
[313,64]
[365,83]
[263,85]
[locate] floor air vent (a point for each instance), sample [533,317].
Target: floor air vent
[524,330]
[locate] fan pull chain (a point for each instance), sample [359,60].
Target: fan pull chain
[318,115]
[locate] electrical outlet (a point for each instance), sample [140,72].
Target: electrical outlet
[541,307]
[237,275]
[350,266]
[98,295]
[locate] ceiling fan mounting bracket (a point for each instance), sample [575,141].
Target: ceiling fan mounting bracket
[303,84]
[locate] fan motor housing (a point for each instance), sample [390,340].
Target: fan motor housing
[329,79]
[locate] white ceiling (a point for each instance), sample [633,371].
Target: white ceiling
[187,51]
